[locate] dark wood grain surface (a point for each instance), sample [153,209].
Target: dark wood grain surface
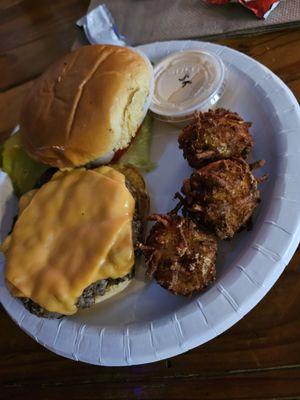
[258,358]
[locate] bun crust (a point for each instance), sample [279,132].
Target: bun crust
[85,105]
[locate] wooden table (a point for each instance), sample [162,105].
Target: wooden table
[258,358]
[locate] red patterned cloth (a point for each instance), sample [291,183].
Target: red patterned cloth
[261,8]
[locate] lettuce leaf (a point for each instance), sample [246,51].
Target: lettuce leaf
[22,170]
[138,153]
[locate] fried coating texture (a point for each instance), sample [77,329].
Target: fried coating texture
[222,196]
[179,256]
[214,135]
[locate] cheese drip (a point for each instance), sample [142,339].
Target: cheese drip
[73,231]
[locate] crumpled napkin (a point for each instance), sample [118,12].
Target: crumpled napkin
[99,25]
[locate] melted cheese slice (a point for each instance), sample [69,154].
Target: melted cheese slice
[73,231]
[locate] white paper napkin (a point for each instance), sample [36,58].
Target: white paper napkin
[99,25]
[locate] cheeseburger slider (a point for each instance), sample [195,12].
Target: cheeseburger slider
[73,243]
[86,106]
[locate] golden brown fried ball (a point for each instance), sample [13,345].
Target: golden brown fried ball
[214,135]
[222,196]
[179,256]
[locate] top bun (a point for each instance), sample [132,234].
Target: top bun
[89,103]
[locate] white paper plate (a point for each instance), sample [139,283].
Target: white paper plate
[146,323]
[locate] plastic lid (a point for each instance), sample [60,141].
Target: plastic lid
[185,82]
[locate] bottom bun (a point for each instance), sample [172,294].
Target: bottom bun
[112,290]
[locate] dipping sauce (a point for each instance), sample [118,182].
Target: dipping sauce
[185,82]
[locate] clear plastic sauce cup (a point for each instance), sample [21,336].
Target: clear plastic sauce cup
[185,82]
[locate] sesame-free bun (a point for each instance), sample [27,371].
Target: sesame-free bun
[89,103]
